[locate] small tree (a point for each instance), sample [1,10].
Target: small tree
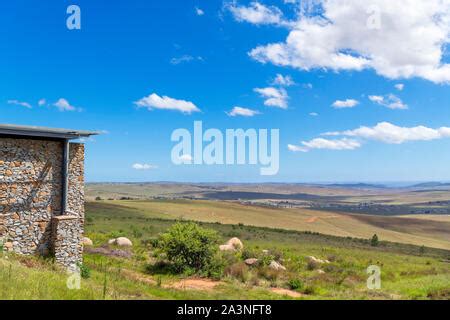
[188,246]
[374,241]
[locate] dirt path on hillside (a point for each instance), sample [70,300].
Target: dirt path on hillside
[194,284]
[286,292]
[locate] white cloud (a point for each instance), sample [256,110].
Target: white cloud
[20,103]
[349,103]
[313,114]
[257,13]
[184,59]
[390,101]
[154,101]
[307,85]
[42,102]
[285,81]
[244,112]
[399,86]
[397,39]
[199,11]
[64,105]
[274,97]
[321,143]
[392,134]
[143,166]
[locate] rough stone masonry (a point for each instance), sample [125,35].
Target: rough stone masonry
[31,190]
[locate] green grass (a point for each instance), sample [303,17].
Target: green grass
[407,271]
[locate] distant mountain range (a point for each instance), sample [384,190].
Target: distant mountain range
[431,185]
[357,185]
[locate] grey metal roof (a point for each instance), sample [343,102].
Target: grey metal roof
[32,131]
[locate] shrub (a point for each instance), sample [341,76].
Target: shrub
[268,274]
[309,290]
[312,265]
[188,246]
[85,272]
[374,241]
[98,198]
[248,253]
[239,271]
[295,284]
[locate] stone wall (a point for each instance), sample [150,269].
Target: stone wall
[31,192]
[66,238]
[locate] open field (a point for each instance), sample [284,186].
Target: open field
[352,198]
[407,230]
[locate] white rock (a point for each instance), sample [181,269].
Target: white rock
[276,266]
[226,247]
[236,243]
[251,261]
[124,242]
[316,260]
[86,241]
[112,241]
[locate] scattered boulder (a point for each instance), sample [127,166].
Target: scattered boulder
[86,241]
[316,260]
[121,241]
[265,251]
[234,244]
[124,242]
[251,261]
[320,271]
[276,266]
[226,247]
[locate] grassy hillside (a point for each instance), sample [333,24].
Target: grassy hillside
[407,271]
[406,230]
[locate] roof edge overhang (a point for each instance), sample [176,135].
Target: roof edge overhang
[43,132]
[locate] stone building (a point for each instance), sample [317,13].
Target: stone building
[42,192]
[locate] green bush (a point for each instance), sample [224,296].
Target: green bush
[374,241]
[188,246]
[295,284]
[85,272]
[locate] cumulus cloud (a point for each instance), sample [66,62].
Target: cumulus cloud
[274,97]
[384,132]
[64,105]
[399,86]
[390,101]
[389,133]
[321,143]
[244,112]
[143,166]
[313,114]
[341,104]
[20,103]
[154,101]
[42,102]
[199,11]
[257,13]
[285,81]
[397,39]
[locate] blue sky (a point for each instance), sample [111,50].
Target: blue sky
[214,54]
